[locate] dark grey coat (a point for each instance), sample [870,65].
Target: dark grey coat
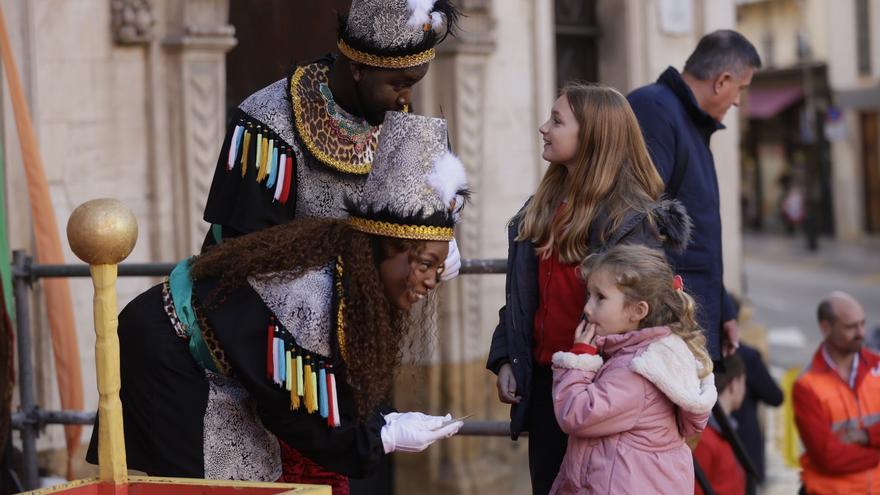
[512,341]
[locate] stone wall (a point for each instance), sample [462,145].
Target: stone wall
[127,101]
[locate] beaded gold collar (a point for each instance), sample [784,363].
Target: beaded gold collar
[329,134]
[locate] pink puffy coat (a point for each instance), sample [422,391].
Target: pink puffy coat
[627,418]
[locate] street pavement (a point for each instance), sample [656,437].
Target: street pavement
[783,284]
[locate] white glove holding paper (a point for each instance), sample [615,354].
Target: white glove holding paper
[414,431]
[453,262]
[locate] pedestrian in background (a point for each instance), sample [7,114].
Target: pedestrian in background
[678,114]
[760,387]
[628,415]
[599,190]
[714,453]
[837,405]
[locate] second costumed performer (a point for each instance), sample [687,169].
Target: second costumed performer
[295,333]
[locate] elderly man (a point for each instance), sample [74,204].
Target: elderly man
[837,405]
[678,115]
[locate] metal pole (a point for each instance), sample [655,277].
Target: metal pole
[21,279]
[736,444]
[701,479]
[41,418]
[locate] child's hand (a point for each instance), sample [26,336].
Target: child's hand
[585,333]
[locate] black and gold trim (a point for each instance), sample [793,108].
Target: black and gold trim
[388,229]
[387,61]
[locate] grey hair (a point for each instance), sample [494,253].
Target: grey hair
[722,51]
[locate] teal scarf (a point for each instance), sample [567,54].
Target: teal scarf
[181,285]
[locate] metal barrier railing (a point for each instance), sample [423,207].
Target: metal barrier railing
[30,419]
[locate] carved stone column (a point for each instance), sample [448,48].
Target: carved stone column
[196,42]
[455,380]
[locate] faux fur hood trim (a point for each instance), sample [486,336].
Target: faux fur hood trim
[671,367]
[572,361]
[674,224]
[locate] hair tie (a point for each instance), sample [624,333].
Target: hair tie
[677,282]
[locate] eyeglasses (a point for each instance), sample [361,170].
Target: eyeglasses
[426,266]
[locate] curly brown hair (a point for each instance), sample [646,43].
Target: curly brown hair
[375,329]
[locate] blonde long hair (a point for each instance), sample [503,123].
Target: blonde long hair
[643,274]
[613,170]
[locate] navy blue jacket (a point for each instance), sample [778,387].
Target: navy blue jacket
[760,387]
[512,340]
[677,134]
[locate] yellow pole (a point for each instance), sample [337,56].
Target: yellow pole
[102,232]
[111,439]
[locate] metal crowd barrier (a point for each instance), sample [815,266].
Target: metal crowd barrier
[30,419]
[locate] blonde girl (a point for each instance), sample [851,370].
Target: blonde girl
[628,411]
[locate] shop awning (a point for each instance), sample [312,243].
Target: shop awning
[766,103]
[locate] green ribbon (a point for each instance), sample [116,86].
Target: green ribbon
[217,232]
[181,284]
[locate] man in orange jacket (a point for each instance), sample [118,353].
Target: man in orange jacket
[837,405]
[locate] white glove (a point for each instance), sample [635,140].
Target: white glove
[453,262]
[414,431]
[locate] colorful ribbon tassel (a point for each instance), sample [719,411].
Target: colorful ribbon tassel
[314,392]
[288,369]
[307,378]
[279,186]
[332,404]
[322,393]
[246,149]
[233,147]
[252,144]
[300,375]
[270,366]
[288,173]
[278,367]
[273,170]
[295,380]
[311,405]
[259,151]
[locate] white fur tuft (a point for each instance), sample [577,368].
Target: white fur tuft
[672,367]
[420,12]
[572,361]
[436,20]
[448,177]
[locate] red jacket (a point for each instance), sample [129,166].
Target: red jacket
[716,459]
[824,405]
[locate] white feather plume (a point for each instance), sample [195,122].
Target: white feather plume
[448,177]
[420,12]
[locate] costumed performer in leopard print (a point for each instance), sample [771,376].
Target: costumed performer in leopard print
[301,145]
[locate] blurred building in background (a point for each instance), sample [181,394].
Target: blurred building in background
[811,135]
[130,100]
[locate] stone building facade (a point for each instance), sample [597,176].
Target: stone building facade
[128,97]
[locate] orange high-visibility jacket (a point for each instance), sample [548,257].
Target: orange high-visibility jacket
[824,406]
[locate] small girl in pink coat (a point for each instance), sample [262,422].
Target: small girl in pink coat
[627,415]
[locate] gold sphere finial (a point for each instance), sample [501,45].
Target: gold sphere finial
[102,231]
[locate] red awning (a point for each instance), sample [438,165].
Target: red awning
[766,103]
